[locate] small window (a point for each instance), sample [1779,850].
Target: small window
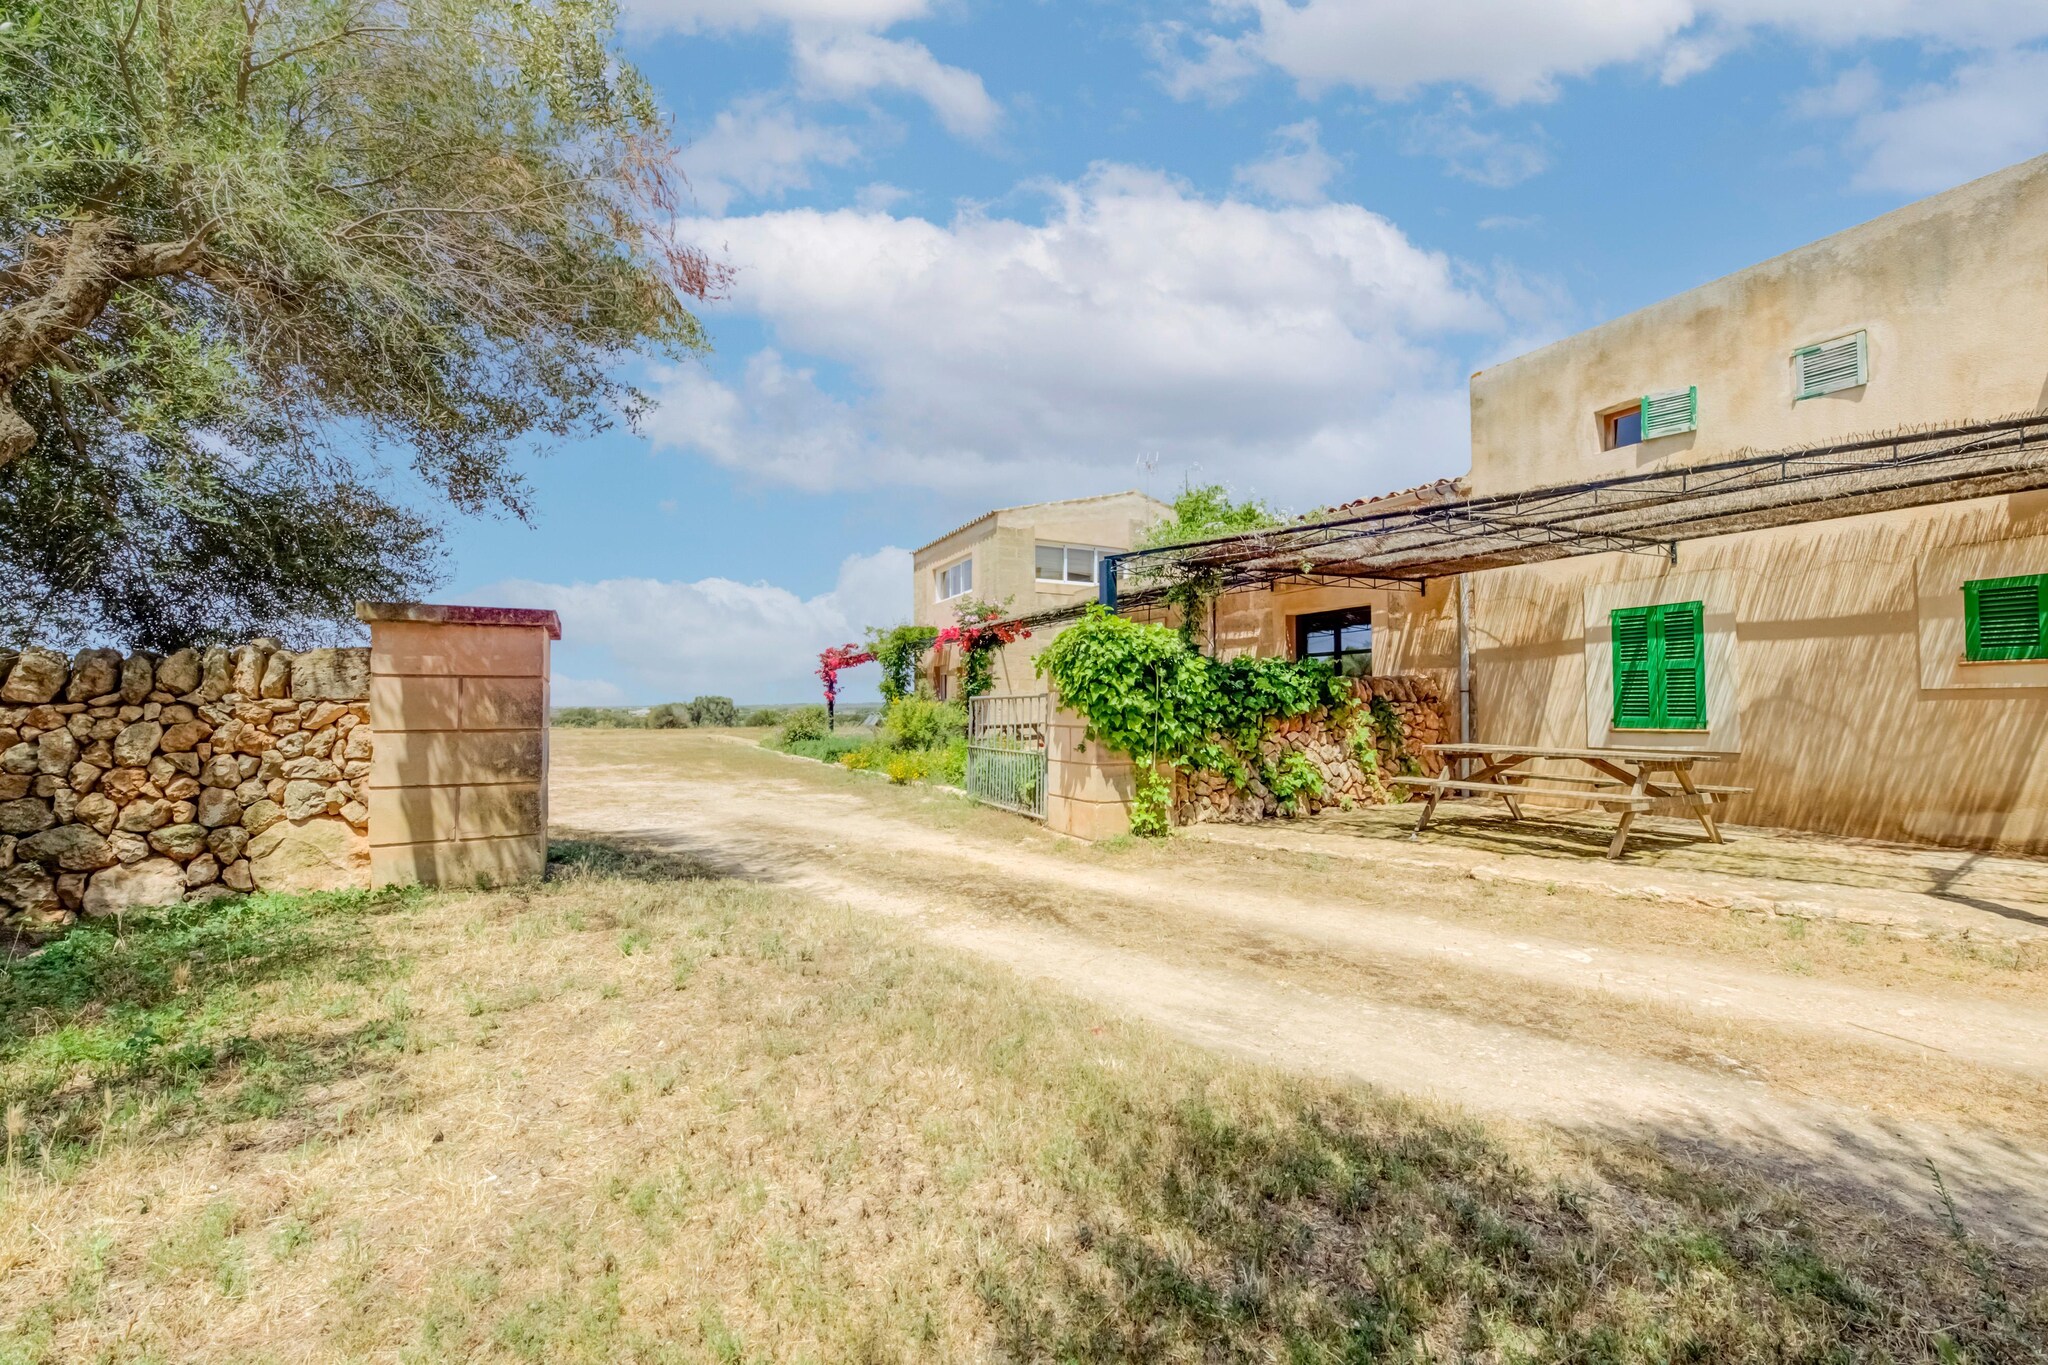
[1670,413]
[1342,637]
[955,579]
[1660,677]
[1623,428]
[1832,366]
[2006,618]
[1067,563]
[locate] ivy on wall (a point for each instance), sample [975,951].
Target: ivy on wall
[1145,691]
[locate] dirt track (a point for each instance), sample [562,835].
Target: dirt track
[1851,1058]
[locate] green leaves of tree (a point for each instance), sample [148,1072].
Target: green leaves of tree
[423,233]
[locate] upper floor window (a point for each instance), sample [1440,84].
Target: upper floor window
[1832,366]
[1342,637]
[1623,427]
[955,579]
[1067,563]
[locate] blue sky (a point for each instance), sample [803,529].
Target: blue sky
[989,254]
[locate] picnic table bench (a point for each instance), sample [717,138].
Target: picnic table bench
[1629,781]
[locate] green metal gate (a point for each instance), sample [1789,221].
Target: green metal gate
[1006,752]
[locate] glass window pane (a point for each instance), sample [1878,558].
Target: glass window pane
[1049,562]
[1321,644]
[1628,427]
[1080,565]
[1356,638]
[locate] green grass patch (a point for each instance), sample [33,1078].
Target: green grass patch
[135,1025]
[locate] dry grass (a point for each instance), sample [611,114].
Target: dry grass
[643,1113]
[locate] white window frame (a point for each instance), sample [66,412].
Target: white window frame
[1066,548]
[939,576]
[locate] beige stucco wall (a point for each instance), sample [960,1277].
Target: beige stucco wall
[458,785]
[1951,292]
[1834,649]
[1834,668]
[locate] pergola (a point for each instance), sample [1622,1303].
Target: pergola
[1647,513]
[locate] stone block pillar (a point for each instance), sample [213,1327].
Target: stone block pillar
[1088,786]
[459,703]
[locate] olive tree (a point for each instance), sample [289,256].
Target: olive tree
[283,282]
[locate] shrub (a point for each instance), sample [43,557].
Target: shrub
[866,757]
[914,723]
[905,765]
[669,716]
[762,715]
[949,765]
[713,711]
[806,722]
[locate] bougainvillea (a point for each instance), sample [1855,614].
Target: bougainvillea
[979,633]
[830,661]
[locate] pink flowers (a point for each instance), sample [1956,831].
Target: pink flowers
[836,658]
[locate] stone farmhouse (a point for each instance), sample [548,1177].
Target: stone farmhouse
[1798,515]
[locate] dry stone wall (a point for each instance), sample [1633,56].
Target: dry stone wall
[1411,713]
[137,780]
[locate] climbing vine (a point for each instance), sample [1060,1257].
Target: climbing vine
[830,662]
[980,631]
[1200,512]
[1146,692]
[897,650]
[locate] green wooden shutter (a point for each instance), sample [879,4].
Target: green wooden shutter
[1634,706]
[1660,667]
[1671,412]
[1678,633]
[2006,618]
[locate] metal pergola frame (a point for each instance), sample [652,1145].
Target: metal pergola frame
[1648,513]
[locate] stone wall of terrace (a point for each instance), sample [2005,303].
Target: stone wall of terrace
[137,780]
[1397,715]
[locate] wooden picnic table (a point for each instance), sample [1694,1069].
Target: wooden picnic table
[1630,781]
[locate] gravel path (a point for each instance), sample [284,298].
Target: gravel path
[1398,983]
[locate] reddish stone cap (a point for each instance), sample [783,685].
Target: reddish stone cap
[446,614]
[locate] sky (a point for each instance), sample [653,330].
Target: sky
[988,254]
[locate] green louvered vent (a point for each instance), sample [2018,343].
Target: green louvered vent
[1660,677]
[2006,618]
[1831,366]
[1671,412]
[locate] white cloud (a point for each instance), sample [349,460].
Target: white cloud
[880,196]
[1520,49]
[663,640]
[847,65]
[1471,152]
[1990,114]
[1294,350]
[693,16]
[1296,171]
[758,148]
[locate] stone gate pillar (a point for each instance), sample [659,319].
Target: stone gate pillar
[459,704]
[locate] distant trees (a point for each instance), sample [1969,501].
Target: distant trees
[669,715]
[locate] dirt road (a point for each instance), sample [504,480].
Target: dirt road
[1832,1052]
